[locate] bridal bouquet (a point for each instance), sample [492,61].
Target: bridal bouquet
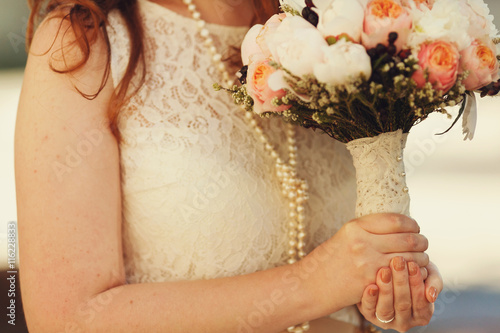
[364,72]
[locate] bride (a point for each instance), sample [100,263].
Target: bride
[148,203]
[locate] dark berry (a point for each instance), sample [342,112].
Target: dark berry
[381,49]
[404,54]
[393,36]
[243,72]
[372,53]
[310,16]
[309,3]
[391,49]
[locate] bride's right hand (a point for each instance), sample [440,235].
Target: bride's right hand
[341,268]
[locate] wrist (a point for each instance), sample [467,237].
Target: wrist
[319,285]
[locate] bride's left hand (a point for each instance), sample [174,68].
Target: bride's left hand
[403,292]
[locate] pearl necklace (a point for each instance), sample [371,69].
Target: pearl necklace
[293,188]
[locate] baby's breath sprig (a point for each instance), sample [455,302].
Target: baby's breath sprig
[288,9]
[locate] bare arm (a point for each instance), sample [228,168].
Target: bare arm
[69,211]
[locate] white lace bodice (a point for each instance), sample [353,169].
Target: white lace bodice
[200,197]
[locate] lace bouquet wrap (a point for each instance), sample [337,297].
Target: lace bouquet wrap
[364,72]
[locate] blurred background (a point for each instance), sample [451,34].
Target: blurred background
[454,186]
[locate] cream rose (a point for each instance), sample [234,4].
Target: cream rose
[343,63]
[270,27]
[337,17]
[418,4]
[446,21]
[296,45]
[249,46]
[480,19]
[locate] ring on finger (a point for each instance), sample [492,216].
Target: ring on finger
[384,321]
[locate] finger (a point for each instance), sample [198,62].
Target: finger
[385,304]
[388,223]
[421,258]
[402,295]
[422,309]
[433,283]
[369,302]
[424,273]
[403,242]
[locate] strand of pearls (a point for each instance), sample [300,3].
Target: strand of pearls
[293,188]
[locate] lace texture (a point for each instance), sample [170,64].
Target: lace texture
[200,196]
[381,183]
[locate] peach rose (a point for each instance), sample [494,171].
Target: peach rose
[481,62]
[383,17]
[440,61]
[258,88]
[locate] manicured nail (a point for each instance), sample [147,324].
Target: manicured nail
[433,294]
[373,292]
[412,268]
[386,275]
[399,263]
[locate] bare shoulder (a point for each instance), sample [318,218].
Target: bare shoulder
[57,48]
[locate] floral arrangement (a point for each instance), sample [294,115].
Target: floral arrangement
[365,71]
[359,68]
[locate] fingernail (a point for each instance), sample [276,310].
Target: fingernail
[433,294]
[386,275]
[399,263]
[412,268]
[373,292]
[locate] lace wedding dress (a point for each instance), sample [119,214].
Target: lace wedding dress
[200,196]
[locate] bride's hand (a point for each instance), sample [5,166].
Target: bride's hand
[346,263]
[403,292]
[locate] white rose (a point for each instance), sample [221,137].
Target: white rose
[338,17]
[297,5]
[296,45]
[446,21]
[343,63]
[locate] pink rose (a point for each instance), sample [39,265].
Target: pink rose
[439,61]
[481,62]
[383,17]
[258,88]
